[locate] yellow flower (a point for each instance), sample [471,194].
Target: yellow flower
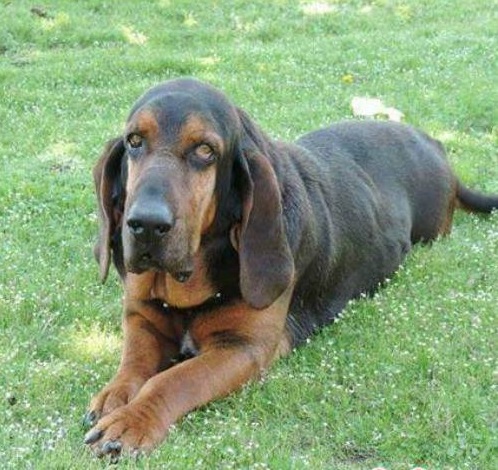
[347,79]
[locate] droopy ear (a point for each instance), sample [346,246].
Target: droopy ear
[109,189]
[266,263]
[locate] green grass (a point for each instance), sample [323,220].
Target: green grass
[406,378]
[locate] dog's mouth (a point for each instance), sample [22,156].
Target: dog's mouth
[179,276]
[146,261]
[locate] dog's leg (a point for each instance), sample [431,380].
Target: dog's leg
[236,343]
[149,344]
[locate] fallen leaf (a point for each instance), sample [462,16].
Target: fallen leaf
[374,107]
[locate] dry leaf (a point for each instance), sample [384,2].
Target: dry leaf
[374,107]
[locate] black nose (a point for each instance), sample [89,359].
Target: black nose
[149,221]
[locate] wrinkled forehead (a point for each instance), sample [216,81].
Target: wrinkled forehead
[169,109]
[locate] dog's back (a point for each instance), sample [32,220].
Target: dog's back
[385,186]
[406,166]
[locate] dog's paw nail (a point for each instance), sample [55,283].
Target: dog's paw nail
[93,436]
[112,447]
[90,419]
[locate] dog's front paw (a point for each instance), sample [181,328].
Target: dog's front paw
[116,394]
[132,430]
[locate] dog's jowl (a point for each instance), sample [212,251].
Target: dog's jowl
[233,248]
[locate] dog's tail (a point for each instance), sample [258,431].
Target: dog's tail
[473,201]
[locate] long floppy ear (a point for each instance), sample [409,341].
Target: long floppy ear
[266,262]
[110,192]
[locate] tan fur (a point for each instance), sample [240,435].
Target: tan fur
[162,286]
[146,125]
[445,228]
[166,396]
[195,129]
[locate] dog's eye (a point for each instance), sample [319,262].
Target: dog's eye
[205,152]
[135,141]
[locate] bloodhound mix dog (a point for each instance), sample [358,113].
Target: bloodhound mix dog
[233,248]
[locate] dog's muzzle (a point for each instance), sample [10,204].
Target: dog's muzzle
[148,222]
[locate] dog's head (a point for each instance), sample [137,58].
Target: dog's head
[185,155]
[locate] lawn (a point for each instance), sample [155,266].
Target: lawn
[407,378]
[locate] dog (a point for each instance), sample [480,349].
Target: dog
[233,248]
